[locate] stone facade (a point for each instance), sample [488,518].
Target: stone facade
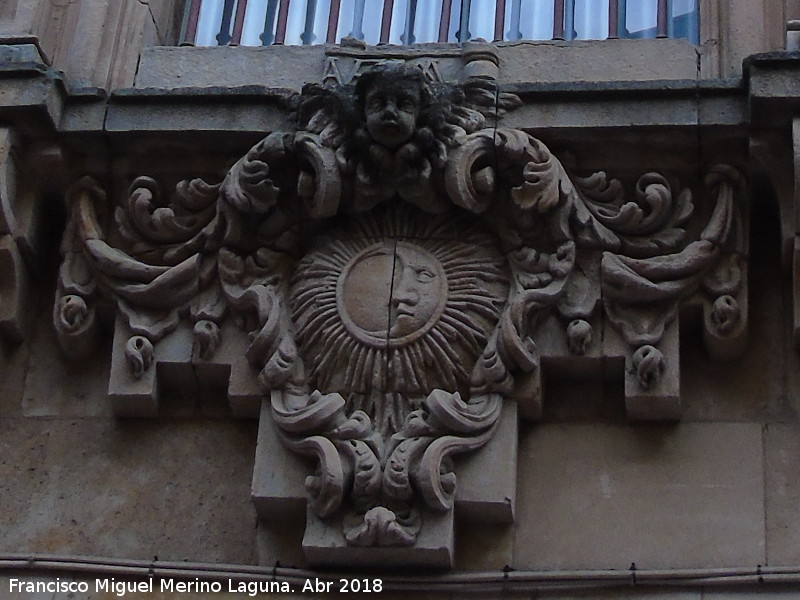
[522,315]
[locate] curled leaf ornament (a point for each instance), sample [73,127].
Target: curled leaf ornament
[140,355]
[649,366]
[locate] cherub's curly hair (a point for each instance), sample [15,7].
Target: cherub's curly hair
[338,115]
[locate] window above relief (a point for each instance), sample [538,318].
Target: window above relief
[406,22]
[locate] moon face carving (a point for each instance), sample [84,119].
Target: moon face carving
[391,293]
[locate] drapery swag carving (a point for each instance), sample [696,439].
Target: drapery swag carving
[392,262]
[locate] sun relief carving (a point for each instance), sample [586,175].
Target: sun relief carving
[390,317]
[388,278]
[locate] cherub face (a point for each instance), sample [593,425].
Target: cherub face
[391,114]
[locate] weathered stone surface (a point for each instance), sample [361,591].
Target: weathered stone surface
[605,496]
[173,117]
[13,366]
[481,546]
[610,60]
[569,114]
[277,66]
[58,388]
[607,60]
[281,540]
[113,488]
[781,445]
[754,386]
[14,291]
[487,480]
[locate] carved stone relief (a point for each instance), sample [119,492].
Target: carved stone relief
[19,235]
[388,278]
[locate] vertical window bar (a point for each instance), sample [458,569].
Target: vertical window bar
[283,17]
[267,37]
[444,23]
[661,22]
[514,33]
[499,19]
[463,34]
[694,25]
[622,29]
[238,23]
[358,20]
[333,21]
[224,35]
[613,19]
[569,20]
[407,37]
[308,36]
[190,29]
[386,21]
[670,20]
[558,20]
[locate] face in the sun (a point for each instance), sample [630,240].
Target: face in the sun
[391,114]
[416,291]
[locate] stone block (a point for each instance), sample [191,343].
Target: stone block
[528,395]
[482,546]
[278,474]
[731,111]
[130,395]
[273,66]
[55,385]
[569,114]
[782,447]
[14,360]
[181,382]
[754,386]
[605,60]
[81,117]
[128,489]
[228,372]
[659,400]
[176,117]
[324,545]
[487,478]
[280,541]
[19,53]
[599,496]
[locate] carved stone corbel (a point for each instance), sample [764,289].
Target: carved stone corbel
[392,279]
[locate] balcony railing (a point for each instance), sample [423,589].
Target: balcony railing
[405,22]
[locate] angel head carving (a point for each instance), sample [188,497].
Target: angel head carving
[393,129]
[391,100]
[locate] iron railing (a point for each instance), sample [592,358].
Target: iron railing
[267,22]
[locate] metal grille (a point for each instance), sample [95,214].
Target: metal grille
[406,22]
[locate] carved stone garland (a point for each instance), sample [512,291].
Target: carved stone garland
[392,272]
